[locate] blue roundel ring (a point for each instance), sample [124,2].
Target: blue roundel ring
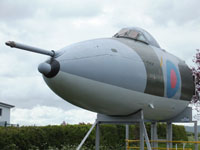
[173,79]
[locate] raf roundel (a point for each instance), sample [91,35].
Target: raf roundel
[173,79]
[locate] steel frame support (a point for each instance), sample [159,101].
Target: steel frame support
[154,135]
[131,119]
[97,140]
[86,136]
[143,133]
[196,134]
[141,136]
[146,137]
[138,117]
[169,134]
[127,135]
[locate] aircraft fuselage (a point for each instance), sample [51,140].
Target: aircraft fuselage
[118,76]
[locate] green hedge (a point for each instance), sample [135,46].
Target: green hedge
[69,136]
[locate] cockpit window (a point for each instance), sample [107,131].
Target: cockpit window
[137,34]
[122,32]
[127,33]
[132,34]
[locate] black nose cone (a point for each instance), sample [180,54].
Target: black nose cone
[50,68]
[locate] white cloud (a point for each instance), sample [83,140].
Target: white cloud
[45,115]
[17,11]
[182,41]
[165,12]
[70,9]
[11,11]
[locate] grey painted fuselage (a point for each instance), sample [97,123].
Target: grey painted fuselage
[119,76]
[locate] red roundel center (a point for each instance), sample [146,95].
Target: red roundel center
[173,78]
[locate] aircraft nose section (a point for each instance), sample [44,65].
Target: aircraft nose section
[50,68]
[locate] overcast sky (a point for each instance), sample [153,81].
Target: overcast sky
[53,24]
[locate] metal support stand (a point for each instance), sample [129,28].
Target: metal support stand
[143,133]
[131,119]
[169,134]
[141,136]
[138,117]
[97,140]
[146,137]
[154,135]
[196,134]
[127,135]
[86,136]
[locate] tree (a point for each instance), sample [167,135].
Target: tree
[196,73]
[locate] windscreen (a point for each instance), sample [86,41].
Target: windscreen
[137,34]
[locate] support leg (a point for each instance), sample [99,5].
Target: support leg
[146,137]
[97,140]
[141,136]
[86,136]
[196,134]
[154,135]
[169,134]
[127,136]
[143,133]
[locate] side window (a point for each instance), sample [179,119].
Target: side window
[0,111]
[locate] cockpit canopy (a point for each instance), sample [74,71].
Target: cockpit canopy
[137,34]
